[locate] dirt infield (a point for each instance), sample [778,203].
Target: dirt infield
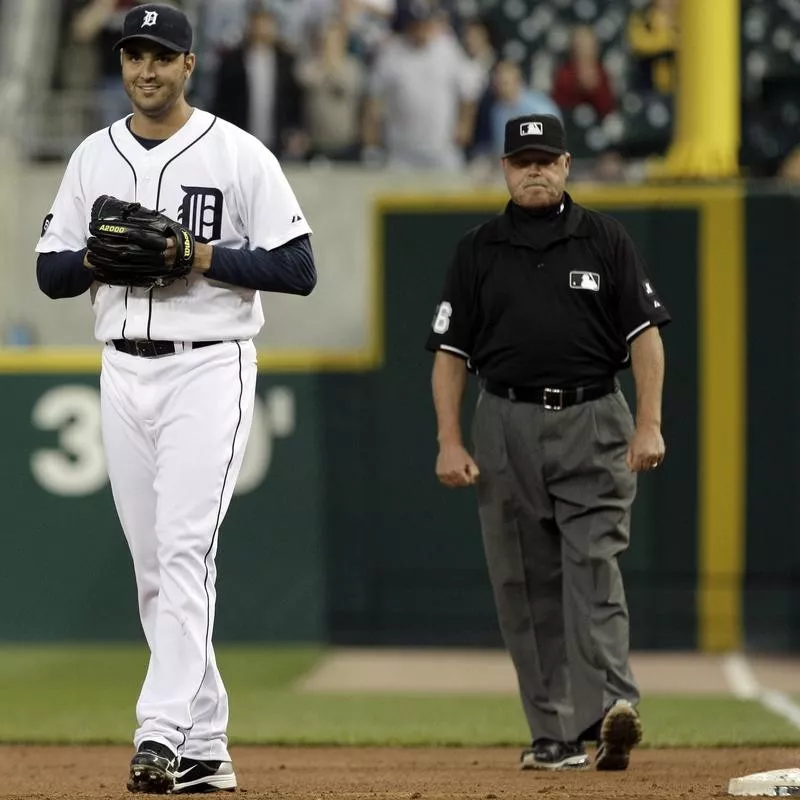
[395,774]
[353,669]
[449,671]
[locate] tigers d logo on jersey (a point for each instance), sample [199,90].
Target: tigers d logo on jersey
[201,212]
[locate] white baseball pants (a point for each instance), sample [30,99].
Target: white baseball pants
[174,431]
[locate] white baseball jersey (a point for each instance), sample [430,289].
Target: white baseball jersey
[212,177]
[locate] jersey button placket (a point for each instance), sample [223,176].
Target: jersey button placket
[148,192]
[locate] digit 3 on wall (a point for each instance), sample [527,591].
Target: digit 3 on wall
[74,465]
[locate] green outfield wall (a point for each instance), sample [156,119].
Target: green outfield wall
[339,531]
[771,588]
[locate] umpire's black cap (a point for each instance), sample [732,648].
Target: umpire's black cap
[156,22]
[535,132]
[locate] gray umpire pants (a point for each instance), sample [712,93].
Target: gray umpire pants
[555,498]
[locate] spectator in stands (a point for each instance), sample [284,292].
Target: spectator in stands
[789,170]
[653,39]
[256,88]
[421,104]
[220,27]
[609,167]
[333,83]
[223,22]
[583,79]
[513,98]
[367,22]
[477,41]
[99,23]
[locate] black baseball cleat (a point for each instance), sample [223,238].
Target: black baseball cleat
[553,755]
[204,776]
[620,732]
[152,769]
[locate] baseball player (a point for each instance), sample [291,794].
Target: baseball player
[173,220]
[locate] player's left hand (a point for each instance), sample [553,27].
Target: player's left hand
[170,252]
[202,255]
[646,449]
[129,245]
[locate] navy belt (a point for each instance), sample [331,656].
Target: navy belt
[551,399]
[153,349]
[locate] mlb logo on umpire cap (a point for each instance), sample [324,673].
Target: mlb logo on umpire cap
[531,129]
[535,132]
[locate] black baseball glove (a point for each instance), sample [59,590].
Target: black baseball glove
[127,244]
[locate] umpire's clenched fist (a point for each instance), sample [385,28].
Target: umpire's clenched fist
[455,466]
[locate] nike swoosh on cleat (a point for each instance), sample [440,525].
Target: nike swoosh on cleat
[181,774]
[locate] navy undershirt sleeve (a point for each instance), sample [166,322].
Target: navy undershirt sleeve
[288,269]
[63,274]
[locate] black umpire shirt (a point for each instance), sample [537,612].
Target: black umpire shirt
[546,300]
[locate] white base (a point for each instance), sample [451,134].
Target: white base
[777,783]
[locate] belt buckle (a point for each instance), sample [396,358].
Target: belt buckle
[551,405]
[145,349]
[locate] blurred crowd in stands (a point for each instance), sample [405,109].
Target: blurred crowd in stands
[429,84]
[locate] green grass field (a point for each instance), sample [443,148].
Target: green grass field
[82,694]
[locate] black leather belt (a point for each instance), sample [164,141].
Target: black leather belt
[551,399]
[151,349]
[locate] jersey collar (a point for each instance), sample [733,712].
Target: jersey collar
[501,229]
[182,138]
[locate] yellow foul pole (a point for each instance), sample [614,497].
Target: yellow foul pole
[707,130]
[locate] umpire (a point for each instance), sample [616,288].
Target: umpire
[546,303]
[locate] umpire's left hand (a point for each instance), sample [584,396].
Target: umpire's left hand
[455,466]
[646,449]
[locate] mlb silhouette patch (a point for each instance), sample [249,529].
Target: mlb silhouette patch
[584,280]
[531,129]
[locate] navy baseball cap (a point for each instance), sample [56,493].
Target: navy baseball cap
[535,132]
[155,22]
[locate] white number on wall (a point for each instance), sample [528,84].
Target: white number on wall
[273,417]
[77,467]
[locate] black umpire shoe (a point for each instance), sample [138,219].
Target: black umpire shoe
[152,769]
[550,754]
[620,732]
[204,776]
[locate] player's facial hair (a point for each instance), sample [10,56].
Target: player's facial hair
[164,108]
[176,88]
